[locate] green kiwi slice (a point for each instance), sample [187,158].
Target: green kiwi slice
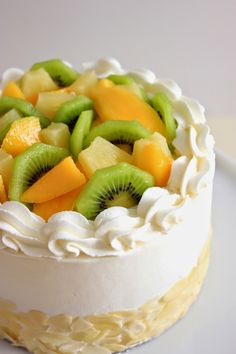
[31,165]
[69,111]
[119,185]
[80,132]
[119,132]
[121,79]
[60,72]
[6,120]
[162,105]
[22,106]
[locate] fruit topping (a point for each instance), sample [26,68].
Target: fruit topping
[6,120]
[48,103]
[3,194]
[113,132]
[29,166]
[163,106]
[70,111]
[22,134]
[120,185]
[56,134]
[118,103]
[121,79]
[12,89]
[61,179]
[61,203]
[36,81]
[153,155]
[24,107]
[6,166]
[80,133]
[84,83]
[101,153]
[60,72]
[119,132]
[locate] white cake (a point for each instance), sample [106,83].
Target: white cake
[71,285]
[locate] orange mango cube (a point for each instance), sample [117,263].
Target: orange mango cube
[3,194]
[22,134]
[64,202]
[116,102]
[152,155]
[12,89]
[61,179]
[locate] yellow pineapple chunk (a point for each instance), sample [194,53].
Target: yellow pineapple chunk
[48,103]
[101,153]
[6,165]
[22,134]
[84,83]
[36,81]
[56,134]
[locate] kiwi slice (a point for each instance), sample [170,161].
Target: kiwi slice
[22,106]
[6,120]
[69,111]
[162,105]
[31,165]
[121,79]
[80,132]
[119,185]
[60,72]
[119,132]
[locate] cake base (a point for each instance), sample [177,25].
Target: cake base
[102,334]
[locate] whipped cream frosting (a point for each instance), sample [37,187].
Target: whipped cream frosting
[117,230]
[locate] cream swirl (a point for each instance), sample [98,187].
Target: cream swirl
[13,74]
[22,230]
[118,230]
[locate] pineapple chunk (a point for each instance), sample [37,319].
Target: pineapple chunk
[48,103]
[84,83]
[6,165]
[101,153]
[56,134]
[36,81]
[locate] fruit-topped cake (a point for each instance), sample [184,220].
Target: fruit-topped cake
[105,215]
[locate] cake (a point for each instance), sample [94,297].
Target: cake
[90,280]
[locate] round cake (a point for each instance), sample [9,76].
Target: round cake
[105,217]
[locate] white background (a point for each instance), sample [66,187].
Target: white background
[192,42]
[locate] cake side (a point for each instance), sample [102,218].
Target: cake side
[68,285]
[107,333]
